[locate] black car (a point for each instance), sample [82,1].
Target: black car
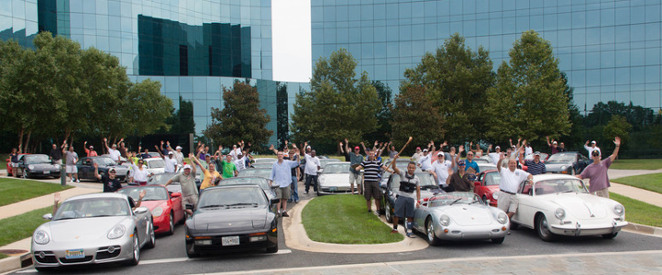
[570,163]
[429,188]
[229,218]
[255,180]
[38,165]
[86,168]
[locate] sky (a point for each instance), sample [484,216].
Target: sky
[291,40]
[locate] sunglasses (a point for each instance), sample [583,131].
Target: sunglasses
[112,172]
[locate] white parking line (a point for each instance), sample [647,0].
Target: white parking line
[161,261]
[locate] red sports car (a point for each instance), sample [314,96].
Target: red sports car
[9,170]
[166,208]
[487,183]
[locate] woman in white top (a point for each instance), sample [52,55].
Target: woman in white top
[139,172]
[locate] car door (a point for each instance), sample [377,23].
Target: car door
[83,166]
[176,204]
[526,209]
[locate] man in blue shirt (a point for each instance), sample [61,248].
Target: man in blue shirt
[470,163]
[281,175]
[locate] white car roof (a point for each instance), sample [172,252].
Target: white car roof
[97,196]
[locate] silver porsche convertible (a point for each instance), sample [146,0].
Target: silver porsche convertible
[93,228]
[460,216]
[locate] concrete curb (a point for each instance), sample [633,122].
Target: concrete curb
[15,262]
[643,229]
[297,238]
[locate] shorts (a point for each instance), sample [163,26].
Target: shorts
[355,178]
[604,192]
[72,169]
[404,207]
[507,202]
[193,199]
[59,161]
[14,164]
[283,193]
[371,189]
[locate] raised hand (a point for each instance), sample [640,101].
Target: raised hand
[104,140]
[461,149]
[85,142]
[376,142]
[168,142]
[271,147]
[96,165]
[445,143]
[142,194]
[617,141]
[346,141]
[56,198]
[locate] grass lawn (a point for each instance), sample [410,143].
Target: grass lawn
[637,164]
[638,211]
[22,226]
[650,182]
[2,256]
[15,190]
[344,219]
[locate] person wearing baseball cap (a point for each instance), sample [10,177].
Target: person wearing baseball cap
[535,166]
[417,156]
[496,155]
[189,188]
[179,156]
[355,159]
[111,182]
[591,148]
[459,181]
[441,169]
[553,145]
[90,152]
[597,172]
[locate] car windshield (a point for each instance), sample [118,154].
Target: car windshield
[90,208]
[257,172]
[263,165]
[427,181]
[162,179]
[324,162]
[481,160]
[152,193]
[336,168]
[270,161]
[555,186]
[231,197]
[104,161]
[493,178]
[156,163]
[561,158]
[263,183]
[35,159]
[453,198]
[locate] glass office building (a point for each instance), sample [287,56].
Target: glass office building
[610,50]
[192,47]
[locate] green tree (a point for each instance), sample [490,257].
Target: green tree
[618,126]
[384,116]
[338,105]
[528,100]
[240,119]
[457,79]
[181,120]
[414,115]
[146,109]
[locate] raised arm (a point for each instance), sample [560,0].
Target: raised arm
[195,159]
[365,151]
[347,146]
[489,148]
[105,143]
[56,202]
[617,143]
[395,167]
[342,150]
[96,171]
[191,156]
[501,158]
[159,150]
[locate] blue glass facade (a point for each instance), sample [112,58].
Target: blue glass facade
[610,50]
[193,47]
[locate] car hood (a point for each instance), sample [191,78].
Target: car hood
[468,214]
[557,166]
[336,180]
[230,220]
[84,229]
[154,204]
[581,206]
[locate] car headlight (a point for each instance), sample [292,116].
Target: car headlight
[495,195]
[116,232]
[41,237]
[502,218]
[619,210]
[444,220]
[157,212]
[30,167]
[563,168]
[559,213]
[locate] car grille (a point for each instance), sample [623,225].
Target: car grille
[72,261]
[103,252]
[45,257]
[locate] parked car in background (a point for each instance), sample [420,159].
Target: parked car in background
[265,184]
[255,172]
[230,218]
[264,160]
[484,166]
[334,179]
[92,229]
[486,186]
[457,216]
[155,165]
[428,186]
[556,204]
[570,163]
[85,167]
[543,157]
[37,165]
[324,162]
[166,208]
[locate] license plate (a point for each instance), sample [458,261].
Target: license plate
[74,254]
[229,241]
[333,188]
[47,172]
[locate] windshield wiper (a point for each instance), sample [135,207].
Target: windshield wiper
[66,218]
[214,205]
[455,201]
[243,203]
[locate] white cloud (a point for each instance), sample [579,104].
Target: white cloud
[291,40]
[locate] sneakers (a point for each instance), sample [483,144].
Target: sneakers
[394,231]
[285,214]
[411,235]
[77,180]
[306,191]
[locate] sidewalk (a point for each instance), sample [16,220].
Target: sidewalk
[634,192]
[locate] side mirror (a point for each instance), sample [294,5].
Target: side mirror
[275,200]
[48,216]
[189,206]
[141,210]
[176,195]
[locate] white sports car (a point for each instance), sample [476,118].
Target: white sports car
[335,179]
[555,204]
[93,228]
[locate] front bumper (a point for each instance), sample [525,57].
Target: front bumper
[483,232]
[48,256]
[210,244]
[585,229]
[328,190]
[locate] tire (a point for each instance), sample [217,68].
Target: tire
[151,243]
[609,236]
[318,192]
[387,213]
[485,200]
[429,232]
[542,227]
[513,226]
[498,240]
[172,224]
[273,249]
[136,250]
[190,252]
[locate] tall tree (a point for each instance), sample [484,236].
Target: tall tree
[338,101]
[384,115]
[148,109]
[618,126]
[241,117]
[415,115]
[528,100]
[457,79]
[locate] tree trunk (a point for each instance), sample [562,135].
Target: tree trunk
[20,140]
[27,142]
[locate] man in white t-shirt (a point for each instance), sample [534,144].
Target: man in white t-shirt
[510,180]
[170,162]
[592,148]
[113,152]
[496,155]
[440,169]
[425,162]
[240,162]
